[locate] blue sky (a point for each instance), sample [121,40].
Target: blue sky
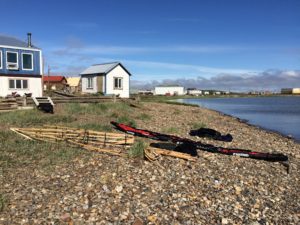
[166,41]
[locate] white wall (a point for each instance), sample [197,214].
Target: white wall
[34,86]
[169,90]
[84,81]
[118,72]
[194,92]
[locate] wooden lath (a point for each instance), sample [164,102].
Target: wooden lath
[105,142]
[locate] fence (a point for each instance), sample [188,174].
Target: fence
[14,103]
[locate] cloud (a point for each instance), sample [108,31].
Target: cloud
[73,44]
[268,80]
[186,69]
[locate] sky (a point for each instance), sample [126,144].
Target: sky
[220,44]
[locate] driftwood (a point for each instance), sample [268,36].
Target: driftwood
[152,154]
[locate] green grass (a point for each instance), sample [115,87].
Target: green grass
[17,152]
[126,120]
[144,116]
[197,125]
[170,130]
[20,152]
[92,108]
[96,126]
[137,150]
[32,117]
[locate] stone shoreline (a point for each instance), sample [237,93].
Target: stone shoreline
[216,189]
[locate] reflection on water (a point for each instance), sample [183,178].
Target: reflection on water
[280,113]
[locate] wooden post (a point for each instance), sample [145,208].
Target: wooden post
[115,99]
[25,101]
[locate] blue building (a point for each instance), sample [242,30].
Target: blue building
[21,67]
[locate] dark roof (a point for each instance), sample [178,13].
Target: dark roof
[103,68]
[54,78]
[14,42]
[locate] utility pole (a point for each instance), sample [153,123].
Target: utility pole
[48,86]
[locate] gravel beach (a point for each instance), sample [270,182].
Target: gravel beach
[216,189]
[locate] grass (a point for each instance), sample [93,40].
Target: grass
[92,109]
[144,116]
[32,117]
[137,150]
[97,127]
[197,125]
[126,120]
[3,201]
[21,153]
[170,130]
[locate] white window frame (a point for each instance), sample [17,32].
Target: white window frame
[1,59]
[120,81]
[17,63]
[25,53]
[90,85]
[15,84]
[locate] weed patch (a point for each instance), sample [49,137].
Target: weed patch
[126,120]
[3,202]
[143,117]
[137,150]
[197,125]
[97,127]
[171,130]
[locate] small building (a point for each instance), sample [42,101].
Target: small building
[21,67]
[194,92]
[290,91]
[145,92]
[55,83]
[169,90]
[296,91]
[74,84]
[106,78]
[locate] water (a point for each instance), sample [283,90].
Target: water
[281,114]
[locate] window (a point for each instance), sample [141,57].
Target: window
[90,82]
[18,84]
[12,60]
[118,84]
[0,59]
[27,61]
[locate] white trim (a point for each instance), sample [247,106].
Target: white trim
[41,64]
[1,59]
[119,83]
[22,48]
[27,53]
[91,86]
[12,63]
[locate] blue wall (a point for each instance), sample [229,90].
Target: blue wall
[36,62]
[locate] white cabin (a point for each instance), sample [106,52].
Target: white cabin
[107,78]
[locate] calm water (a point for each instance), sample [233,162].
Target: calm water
[281,114]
